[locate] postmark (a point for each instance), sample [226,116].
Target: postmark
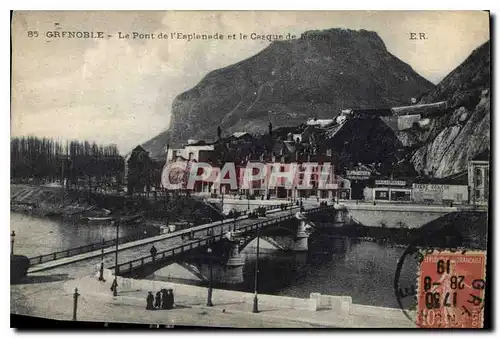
[451,289]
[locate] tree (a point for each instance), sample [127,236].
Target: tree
[270,126]
[219,132]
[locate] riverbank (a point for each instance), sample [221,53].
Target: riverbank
[466,229]
[52,201]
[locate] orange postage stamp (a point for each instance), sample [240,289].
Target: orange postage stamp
[451,289]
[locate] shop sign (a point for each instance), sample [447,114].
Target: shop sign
[430,187]
[358,174]
[391,182]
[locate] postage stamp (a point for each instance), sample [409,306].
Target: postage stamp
[451,289]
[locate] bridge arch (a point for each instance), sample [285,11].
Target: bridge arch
[267,234]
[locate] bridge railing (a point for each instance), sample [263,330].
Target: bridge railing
[84,249]
[162,255]
[268,207]
[99,245]
[204,242]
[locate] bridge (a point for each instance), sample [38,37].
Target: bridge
[227,238]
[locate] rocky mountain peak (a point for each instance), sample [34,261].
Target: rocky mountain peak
[288,82]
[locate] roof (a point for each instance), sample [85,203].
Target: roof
[139,149]
[460,178]
[239,134]
[483,156]
[420,108]
[331,132]
[320,122]
[372,111]
[198,143]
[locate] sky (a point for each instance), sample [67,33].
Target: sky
[119,90]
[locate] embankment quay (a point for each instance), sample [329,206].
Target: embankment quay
[360,265]
[49,297]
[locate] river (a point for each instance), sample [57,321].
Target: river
[37,236]
[363,270]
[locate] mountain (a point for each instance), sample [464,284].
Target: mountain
[289,82]
[449,141]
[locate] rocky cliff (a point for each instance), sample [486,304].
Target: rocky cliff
[289,82]
[446,143]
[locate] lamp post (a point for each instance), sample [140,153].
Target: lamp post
[222,200]
[255,299]
[101,269]
[209,296]
[75,303]
[12,235]
[115,282]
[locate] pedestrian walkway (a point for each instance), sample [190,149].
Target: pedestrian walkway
[223,304]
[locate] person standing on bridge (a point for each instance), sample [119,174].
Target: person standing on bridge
[153,253]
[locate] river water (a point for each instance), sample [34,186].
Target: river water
[360,269]
[363,270]
[37,236]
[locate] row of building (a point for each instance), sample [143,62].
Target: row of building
[468,187]
[361,146]
[361,183]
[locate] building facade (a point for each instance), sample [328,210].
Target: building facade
[388,190]
[440,193]
[138,171]
[479,179]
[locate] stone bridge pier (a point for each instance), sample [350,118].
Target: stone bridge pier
[296,240]
[224,259]
[233,268]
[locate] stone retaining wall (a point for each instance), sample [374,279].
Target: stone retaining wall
[316,302]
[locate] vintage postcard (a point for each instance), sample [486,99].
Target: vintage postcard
[253,169]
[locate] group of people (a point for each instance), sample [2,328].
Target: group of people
[164,300]
[283,206]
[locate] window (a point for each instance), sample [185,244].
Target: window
[400,195]
[478,193]
[478,176]
[381,195]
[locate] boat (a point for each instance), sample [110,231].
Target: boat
[132,218]
[98,220]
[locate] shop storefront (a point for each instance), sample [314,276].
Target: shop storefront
[388,190]
[440,193]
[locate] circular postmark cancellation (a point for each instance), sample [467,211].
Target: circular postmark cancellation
[451,289]
[448,290]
